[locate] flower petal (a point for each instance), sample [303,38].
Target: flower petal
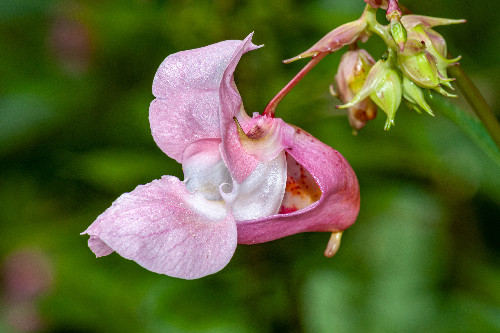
[239,163]
[167,230]
[336,209]
[259,139]
[204,169]
[187,89]
[265,137]
[261,193]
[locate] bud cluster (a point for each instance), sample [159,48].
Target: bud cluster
[415,61]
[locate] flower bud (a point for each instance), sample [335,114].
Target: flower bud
[426,67]
[398,31]
[399,34]
[351,75]
[346,34]
[377,3]
[383,86]
[419,65]
[439,53]
[388,95]
[414,95]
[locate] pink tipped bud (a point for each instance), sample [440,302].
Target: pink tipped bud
[393,11]
[344,35]
[377,3]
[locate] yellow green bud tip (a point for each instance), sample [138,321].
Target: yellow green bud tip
[300,56]
[333,244]
[453,62]
[399,34]
[388,124]
[332,91]
[443,92]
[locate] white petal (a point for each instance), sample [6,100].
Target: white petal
[204,169]
[261,193]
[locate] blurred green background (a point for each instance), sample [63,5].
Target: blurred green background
[75,87]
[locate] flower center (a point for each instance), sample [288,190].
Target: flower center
[301,188]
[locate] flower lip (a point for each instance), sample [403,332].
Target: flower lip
[335,210]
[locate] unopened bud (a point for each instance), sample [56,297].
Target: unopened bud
[414,95]
[388,95]
[344,35]
[436,45]
[399,34]
[383,86]
[377,3]
[398,31]
[351,75]
[428,67]
[420,66]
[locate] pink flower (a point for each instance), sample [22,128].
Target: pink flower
[247,179]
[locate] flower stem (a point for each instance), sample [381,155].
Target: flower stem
[271,107]
[377,28]
[477,102]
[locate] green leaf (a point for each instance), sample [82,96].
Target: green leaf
[470,124]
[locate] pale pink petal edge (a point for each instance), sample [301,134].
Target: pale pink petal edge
[167,230]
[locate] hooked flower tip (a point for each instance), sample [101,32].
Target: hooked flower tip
[333,244]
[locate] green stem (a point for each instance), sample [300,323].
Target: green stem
[477,102]
[377,28]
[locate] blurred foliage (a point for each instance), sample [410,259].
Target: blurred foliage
[75,86]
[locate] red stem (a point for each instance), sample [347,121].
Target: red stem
[271,107]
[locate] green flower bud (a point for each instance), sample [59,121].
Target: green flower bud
[414,95]
[399,34]
[383,86]
[426,67]
[388,95]
[419,65]
[434,44]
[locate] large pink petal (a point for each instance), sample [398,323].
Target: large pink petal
[267,136]
[167,230]
[187,89]
[336,209]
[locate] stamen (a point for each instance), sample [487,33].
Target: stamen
[333,244]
